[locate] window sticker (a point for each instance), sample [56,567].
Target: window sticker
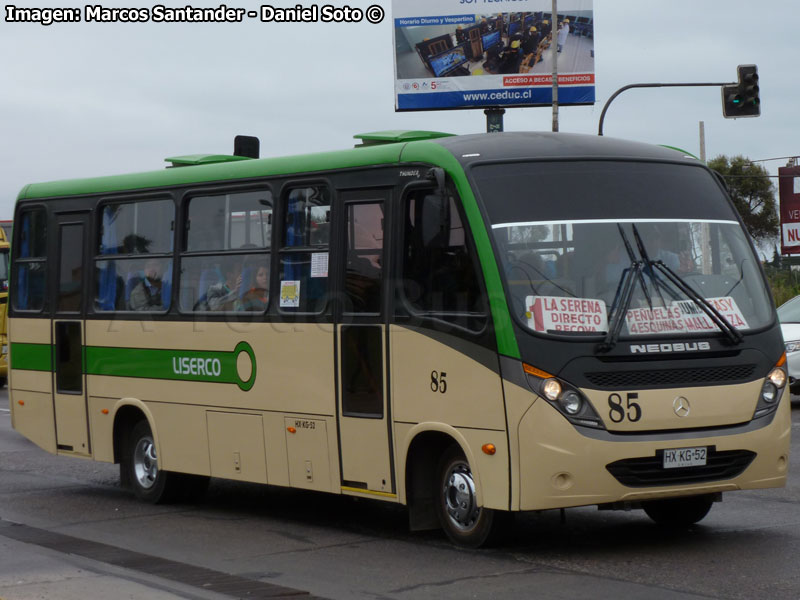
[319,264]
[555,313]
[683,316]
[290,294]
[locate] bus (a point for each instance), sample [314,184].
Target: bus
[5,248]
[468,326]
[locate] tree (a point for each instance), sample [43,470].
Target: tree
[753,194]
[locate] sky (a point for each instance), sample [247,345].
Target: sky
[91,99]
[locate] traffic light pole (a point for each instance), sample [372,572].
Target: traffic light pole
[651,85]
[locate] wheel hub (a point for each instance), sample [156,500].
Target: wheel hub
[145,463]
[459,495]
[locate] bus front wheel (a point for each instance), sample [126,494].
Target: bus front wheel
[464,522]
[679,511]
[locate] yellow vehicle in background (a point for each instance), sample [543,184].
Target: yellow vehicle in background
[5,248]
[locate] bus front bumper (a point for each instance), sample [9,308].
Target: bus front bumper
[561,466]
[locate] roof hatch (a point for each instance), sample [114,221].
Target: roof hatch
[395,136]
[191,160]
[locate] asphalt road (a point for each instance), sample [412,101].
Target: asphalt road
[68,531]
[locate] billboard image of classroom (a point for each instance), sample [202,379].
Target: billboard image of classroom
[445,60]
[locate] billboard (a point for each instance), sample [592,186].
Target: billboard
[789,195]
[457,54]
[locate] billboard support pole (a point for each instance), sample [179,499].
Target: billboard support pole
[554,50]
[494,119]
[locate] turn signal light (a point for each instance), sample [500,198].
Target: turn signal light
[489,449]
[531,370]
[291,430]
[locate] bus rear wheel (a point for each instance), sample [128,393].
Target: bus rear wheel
[679,512]
[464,522]
[139,468]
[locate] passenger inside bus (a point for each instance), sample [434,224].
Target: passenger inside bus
[224,295]
[147,289]
[255,297]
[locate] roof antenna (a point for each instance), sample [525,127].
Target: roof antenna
[246,145]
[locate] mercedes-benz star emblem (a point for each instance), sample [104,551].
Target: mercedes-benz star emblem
[681,406]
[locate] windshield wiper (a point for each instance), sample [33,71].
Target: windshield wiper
[733,334]
[657,283]
[632,258]
[624,294]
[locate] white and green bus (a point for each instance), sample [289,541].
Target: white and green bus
[470,326]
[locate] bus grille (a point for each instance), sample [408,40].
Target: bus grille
[671,377]
[649,471]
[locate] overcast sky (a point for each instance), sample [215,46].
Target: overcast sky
[88,99]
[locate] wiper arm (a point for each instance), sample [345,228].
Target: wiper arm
[733,334]
[649,265]
[632,258]
[625,292]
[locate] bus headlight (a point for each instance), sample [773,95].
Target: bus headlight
[562,396]
[777,377]
[551,389]
[571,402]
[769,392]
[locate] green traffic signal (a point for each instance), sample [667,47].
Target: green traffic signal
[742,100]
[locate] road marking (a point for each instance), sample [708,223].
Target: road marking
[200,577]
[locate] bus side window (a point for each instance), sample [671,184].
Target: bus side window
[440,274]
[133,260]
[304,256]
[31,252]
[225,263]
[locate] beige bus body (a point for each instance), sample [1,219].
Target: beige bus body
[284,431]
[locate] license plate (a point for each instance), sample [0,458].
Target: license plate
[685,457]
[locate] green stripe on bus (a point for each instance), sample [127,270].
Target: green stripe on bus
[430,152]
[181,365]
[31,357]
[148,363]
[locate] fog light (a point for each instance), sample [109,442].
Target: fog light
[571,402]
[777,377]
[551,389]
[769,393]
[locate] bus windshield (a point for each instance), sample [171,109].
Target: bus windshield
[655,246]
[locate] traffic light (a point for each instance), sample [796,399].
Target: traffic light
[741,99]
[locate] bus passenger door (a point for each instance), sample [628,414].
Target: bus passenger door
[363,409]
[69,389]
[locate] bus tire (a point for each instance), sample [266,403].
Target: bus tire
[464,522]
[139,468]
[680,512]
